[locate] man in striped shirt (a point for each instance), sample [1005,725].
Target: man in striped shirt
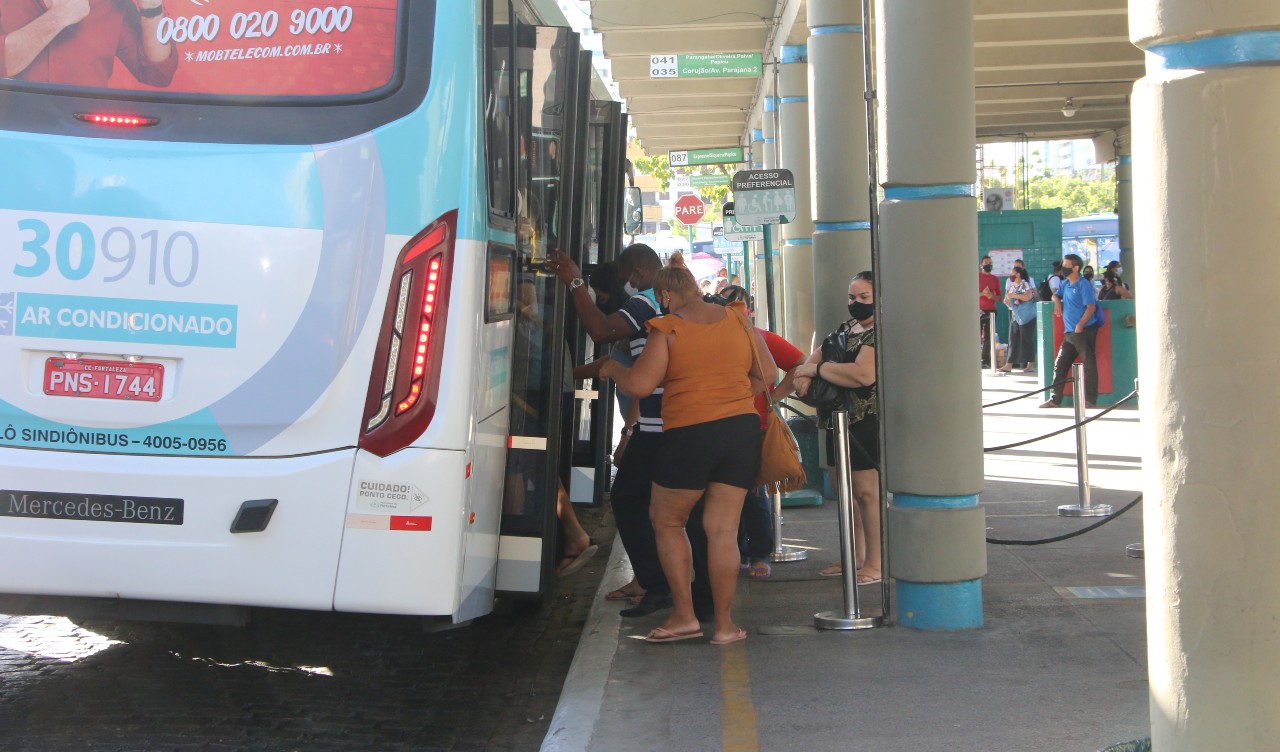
[631,488]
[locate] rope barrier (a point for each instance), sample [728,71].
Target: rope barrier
[1065,536]
[1071,427]
[1041,390]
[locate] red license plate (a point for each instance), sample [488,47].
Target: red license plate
[103,379]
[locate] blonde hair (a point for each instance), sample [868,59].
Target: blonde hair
[676,279]
[677,260]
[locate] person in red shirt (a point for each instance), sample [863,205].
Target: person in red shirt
[77,42]
[755,533]
[988,294]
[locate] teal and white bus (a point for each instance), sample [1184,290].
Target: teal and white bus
[271,320]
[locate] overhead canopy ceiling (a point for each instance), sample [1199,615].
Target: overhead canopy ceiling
[1030,57]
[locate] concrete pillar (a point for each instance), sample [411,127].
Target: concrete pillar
[769,129]
[1205,153]
[1124,209]
[838,121]
[930,395]
[754,258]
[797,251]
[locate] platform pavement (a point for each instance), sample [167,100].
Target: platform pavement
[1049,671]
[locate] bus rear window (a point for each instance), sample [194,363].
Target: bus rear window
[240,48]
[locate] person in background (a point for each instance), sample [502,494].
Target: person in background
[1087,273]
[1077,305]
[858,375]
[702,355]
[1019,296]
[630,496]
[1113,287]
[988,294]
[1055,279]
[755,533]
[1019,264]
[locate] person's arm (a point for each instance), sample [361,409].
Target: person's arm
[589,370]
[641,379]
[602,329]
[799,382]
[1123,292]
[861,372]
[764,372]
[21,46]
[1085,317]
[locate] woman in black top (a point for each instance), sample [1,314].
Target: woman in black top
[857,374]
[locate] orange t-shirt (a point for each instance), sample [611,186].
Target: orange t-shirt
[707,370]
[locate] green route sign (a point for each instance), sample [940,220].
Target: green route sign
[708,65]
[702,181]
[692,157]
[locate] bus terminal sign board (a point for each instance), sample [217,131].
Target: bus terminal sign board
[764,197]
[736,232]
[693,157]
[711,65]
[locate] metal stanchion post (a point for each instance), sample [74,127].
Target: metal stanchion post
[851,617]
[781,552]
[991,344]
[1085,508]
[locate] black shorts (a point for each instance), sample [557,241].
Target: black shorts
[720,451]
[864,444]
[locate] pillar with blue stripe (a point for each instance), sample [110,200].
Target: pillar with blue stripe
[1206,146]
[797,236]
[769,131]
[1124,209]
[841,206]
[930,390]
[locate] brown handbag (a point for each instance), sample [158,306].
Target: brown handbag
[780,463]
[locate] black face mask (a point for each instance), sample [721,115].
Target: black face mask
[862,311]
[987,268]
[1088,275]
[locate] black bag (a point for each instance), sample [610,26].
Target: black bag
[1044,290]
[822,394]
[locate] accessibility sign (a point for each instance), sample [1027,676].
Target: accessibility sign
[710,65]
[764,197]
[692,157]
[736,232]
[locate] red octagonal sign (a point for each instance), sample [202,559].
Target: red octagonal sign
[689,209]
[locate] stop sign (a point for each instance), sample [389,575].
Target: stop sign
[689,209]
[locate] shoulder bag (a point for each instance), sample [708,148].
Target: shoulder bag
[780,463]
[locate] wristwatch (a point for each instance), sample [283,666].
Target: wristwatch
[575,283]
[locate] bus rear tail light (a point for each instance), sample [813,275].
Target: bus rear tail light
[116,119]
[404,384]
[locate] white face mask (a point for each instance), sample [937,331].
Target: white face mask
[630,290]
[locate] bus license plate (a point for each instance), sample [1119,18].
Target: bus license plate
[103,379]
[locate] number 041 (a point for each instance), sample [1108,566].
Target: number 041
[663,66]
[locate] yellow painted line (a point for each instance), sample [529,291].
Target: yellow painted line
[738,713]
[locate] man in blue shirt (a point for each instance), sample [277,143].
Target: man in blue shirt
[1076,303]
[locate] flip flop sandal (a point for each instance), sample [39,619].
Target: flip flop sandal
[622,594]
[867,579]
[658,634]
[571,564]
[760,570]
[739,636]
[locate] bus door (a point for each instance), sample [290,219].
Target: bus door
[541,363]
[593,421]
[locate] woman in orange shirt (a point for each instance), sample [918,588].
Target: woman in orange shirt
[701,354]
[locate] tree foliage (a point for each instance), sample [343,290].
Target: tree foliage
[1076,195]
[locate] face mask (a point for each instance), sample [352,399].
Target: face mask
[1067,271]
[986,267]
[1119,270]
[1088,275]
[629,289]
[862,311]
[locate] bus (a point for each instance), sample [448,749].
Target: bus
[274,325]
[1094,238]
